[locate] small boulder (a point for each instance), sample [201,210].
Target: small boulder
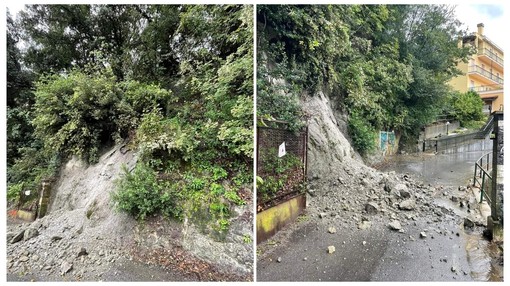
[331,249]
[407,205]
[364,224]
[395,225]
[423,234]
[82,251]
[468,223]
[332,230]
[10,235]
[30,233]
[402,190]
[365,182]
[371,208]
[65,267]
[18,237]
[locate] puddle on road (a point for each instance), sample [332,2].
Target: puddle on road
[479,253]
[454,170]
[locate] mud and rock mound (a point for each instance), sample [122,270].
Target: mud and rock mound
[83,238]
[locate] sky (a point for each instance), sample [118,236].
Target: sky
[491,15]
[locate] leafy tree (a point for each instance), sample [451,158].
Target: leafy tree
[217,73]
[427,36]
[132,39]
[467,108]
[387,64]
[19,97]
[57,37]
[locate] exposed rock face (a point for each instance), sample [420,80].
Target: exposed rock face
[232,253]
[327,144]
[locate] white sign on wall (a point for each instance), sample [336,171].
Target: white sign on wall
[281,150]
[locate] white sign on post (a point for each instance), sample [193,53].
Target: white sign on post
[281,150]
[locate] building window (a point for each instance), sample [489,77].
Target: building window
[472,85]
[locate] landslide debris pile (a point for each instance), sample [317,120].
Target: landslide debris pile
[83,237]
[343,188]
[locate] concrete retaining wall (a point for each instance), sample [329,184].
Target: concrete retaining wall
[438,128]
[270,221]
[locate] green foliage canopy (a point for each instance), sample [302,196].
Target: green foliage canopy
[388,64]
[467,108]
[176,80]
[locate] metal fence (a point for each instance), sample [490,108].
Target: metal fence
[273,141]
[482,176]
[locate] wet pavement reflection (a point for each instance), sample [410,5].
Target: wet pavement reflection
[454,169]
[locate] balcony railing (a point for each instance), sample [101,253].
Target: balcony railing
[490,87]
[491,55]
[485,73]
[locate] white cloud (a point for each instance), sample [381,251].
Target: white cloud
[495,27]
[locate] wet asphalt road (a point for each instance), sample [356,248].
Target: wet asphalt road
[378,253]
[442,169]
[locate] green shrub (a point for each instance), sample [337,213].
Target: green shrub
[141,194]
[363,135]
[467,108]
[76,114]
[236,134]
[277,174]
[157,134]
[14,192]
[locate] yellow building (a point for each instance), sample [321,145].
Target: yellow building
[484,71]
